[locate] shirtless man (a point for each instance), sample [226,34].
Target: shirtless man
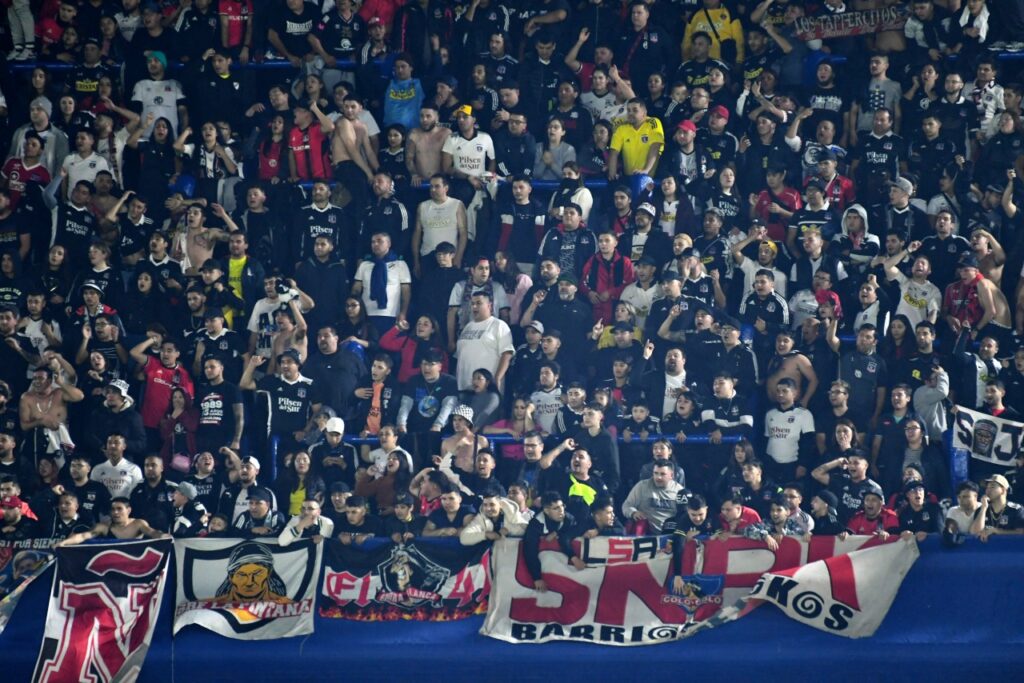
[990,317]
[291,334]
[790,363]
[199,239]
[423,149]
[121,526]
[991,255]
[44,405]
[352,154]
[460,444]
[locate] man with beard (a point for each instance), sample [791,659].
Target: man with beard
[335,371]
[92,496]
[319,218]
[118,414]
[234,500]
[384,213]
[567,313]
[152,499]
[423,149]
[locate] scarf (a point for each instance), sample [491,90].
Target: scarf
[379,279]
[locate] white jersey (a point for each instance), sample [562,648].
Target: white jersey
[783,430]
[481,345]
[439,223]
[398,275]
[546,406]
[596,104]
[642,300]
[749,269]
[162,99]
[470,156]
[118,479]
[84,169]
[917,300]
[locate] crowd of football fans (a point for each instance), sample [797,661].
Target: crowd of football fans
[284,269]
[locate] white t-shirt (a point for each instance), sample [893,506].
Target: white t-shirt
[398,275]
[262,322]
[439,223]
[783,431]
[160,97]
[480,346]
[673,385]
[470,156]
[83,169]
[749,269]
[642,300]
[962,519]
[119,479]
[917,301]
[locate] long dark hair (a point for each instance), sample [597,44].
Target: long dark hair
[888,348]
[508,277]
[267,135]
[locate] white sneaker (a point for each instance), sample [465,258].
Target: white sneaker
[28,54]
[15,54]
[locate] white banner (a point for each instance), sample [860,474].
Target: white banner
[847,595]
[624,595]
[249,590]
[986,437]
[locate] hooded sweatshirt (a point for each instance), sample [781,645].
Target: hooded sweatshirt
[855,250]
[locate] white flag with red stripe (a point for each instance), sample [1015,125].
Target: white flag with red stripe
[847,595]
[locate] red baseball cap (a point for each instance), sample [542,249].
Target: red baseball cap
[687,124]
[720,111]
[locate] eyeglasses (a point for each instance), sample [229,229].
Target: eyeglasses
[912,428]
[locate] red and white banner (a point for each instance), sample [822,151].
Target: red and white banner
[103,608]
[856,23]
[624,596]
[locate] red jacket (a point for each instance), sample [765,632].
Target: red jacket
[860,524]
[405,344]
[609,277]
[839,192]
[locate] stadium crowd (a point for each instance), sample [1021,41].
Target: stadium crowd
[535,268]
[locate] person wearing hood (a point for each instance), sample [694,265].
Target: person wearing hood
[499,518]
[117,415]
[855,246]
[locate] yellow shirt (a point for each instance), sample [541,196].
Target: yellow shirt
[632,144]
[236,266]
[295,500]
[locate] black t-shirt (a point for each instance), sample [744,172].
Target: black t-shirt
[289,403]
[293,29]
[216,414]
[13,367]
[11,230]
[93,498]
[427,400]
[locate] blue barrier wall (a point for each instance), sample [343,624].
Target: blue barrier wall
[957,615]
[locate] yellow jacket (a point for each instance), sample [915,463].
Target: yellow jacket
[726,26]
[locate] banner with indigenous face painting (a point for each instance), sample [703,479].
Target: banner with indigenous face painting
[627,595]
[986,437]
[427,580]
[852,23]
[21,562]
[248,590]
[103,608]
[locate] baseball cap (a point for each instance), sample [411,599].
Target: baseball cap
[373,21]
[968,260]
[536,325]
[873,489]
[647,207]
[10,502]
[622,326]
[92,284]
[336,425]
[646,260]
[450,81]
[188,490]
[465,109]
[816,184]
[403,499]
[260,493]
[720,110]
[687,124]
[553,333]
[913,484]
[710,310]
[999,479]
[213,312]
[567,277]
[729,321]
[827,154]
[903,184]
[251,460]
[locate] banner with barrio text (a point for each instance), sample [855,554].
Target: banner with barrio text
[431,579]
[103,608]
[626,595]
[986,437]
[248,590]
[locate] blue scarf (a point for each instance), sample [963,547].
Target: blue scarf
[379,279]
